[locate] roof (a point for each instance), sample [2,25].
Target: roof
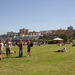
[57,39]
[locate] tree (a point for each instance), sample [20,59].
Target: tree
[45,36]
[64,37]
[74,34]
[52,37]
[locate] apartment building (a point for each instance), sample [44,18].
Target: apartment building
[23,31]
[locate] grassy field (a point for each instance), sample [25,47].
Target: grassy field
[43,61]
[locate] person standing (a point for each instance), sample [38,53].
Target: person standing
[8,46]
[1,49]
[20,48]
[28,48]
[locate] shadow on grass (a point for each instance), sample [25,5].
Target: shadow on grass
[14,57]
[18,57]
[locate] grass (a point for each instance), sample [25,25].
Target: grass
[42,62]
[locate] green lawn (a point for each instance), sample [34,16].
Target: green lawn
[43,61]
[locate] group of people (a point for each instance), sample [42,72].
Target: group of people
[59,44]
[20,45]
[8,47]
[21,48]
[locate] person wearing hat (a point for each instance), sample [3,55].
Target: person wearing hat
[1,49]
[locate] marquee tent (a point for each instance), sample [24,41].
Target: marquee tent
[59,39]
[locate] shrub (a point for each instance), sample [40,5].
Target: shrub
[50,42]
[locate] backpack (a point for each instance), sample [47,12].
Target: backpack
[31,44]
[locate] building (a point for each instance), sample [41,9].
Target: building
[11,34]
[51,32]
[23,31]
[43,32]
[34,33]
[24,37]
[26,31]
[70,28]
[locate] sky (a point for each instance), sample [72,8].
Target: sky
[36,15]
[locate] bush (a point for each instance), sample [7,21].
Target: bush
[50,42]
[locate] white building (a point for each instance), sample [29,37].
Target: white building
[11,34]
[24,37]
[34,33]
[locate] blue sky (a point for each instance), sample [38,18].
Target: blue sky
[36,15]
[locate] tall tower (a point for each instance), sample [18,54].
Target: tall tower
[22,31]
[70,28]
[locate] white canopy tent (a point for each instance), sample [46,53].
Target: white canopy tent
[59,39]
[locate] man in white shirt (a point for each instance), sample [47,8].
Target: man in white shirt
[1,49]
[8,46]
